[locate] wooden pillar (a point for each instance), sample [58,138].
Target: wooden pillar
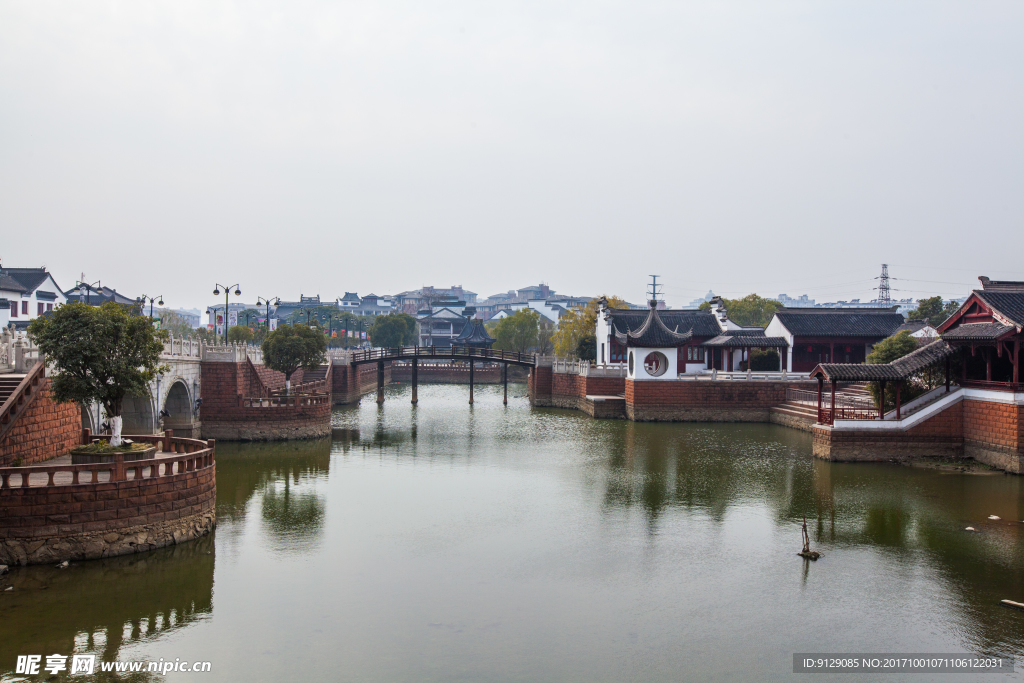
[470,381]
[821,382]
[947,374]
[415,380]
[504,381]
[988,364]
[380,382]
[881,400]
[963,365]
[899,386]
[1016,361]
[832,352]
[833,413]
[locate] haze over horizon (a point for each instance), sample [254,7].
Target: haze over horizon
[321,147]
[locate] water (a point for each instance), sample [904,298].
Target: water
[449,543]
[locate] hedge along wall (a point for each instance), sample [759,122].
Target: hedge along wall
[45,430]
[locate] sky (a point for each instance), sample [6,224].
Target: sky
[322,147]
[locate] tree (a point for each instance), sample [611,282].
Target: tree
[578,323]
[933,310]
[393,330]
[767,359]
[174,323]
[291,347]
[749,311]
[890,349]
[586,348]
[99,354]
[240,333]
[517,332]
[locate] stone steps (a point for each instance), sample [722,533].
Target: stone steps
[8,383]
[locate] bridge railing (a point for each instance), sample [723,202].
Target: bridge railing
[279,401]
[454,352]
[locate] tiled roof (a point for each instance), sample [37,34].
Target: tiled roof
[474,333]
[10,284]
[700,323]
[900,369]
[745,340]
[30,278]
[977,332]
[840,322]
[653,334]
[1010,304]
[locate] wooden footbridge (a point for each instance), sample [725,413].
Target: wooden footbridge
[414,354]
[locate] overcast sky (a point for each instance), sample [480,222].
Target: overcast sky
[323,147]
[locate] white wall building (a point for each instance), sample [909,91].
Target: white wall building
[29,293]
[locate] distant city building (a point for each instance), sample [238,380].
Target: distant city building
[696,303]
[443,322]
[802,301]
[25,294]
[192,316]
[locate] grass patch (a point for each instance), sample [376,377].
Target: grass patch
[104,447]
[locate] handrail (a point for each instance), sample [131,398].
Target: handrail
[282,401]
[182,455]
[18,401]
[454,352]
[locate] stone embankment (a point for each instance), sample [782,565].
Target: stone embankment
[54,513]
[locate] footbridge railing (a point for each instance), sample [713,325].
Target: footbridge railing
[454,352]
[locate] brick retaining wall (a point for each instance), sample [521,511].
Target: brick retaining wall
[429,373]
[44,524]
[703,401]
[538,386]
[993,434]
[940,436]
[45,430]
[224,419]
[350,382]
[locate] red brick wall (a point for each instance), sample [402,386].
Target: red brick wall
[221,385]
[86,520]
[706,394]
[45,430]
[446,374]
[538,386]
[994,425]
[348,383]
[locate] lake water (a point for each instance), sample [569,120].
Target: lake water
[491,543]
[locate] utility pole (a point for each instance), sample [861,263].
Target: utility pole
[883,286]
[655,290]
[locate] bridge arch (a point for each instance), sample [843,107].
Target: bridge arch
[177,410]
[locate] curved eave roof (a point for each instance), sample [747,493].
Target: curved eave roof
[900,369]
[978,332]
[653,334]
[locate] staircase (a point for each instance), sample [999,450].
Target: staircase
[803,413]
[8,383]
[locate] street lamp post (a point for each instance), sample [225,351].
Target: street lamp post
[260,300]
[142,302]
[88,290]
[227,291]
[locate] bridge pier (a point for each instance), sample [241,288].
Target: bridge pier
[380,382]
[504,381]
[415,367]
[470,381]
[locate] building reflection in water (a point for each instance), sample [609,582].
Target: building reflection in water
[912,518]
[98,606]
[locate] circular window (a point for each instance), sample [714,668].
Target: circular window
[631,362]
[656,364]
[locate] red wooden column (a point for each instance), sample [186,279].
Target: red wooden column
[821,382]
[1016,360]
[899,385]
[881,400]
[833,412]
[832,352]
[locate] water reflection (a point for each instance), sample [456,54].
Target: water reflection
[292,512]
[101,605]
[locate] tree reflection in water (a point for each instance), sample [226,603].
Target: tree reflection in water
[284,474]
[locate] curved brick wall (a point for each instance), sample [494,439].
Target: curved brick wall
[45,430]
[42,523]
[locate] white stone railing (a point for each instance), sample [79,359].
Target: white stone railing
[232,352]
[566,366]
[17,354]
[339,356]
[182,347]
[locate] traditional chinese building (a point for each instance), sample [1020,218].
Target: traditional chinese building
[986,332]
[653,350]
[474,335]
[831,335]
